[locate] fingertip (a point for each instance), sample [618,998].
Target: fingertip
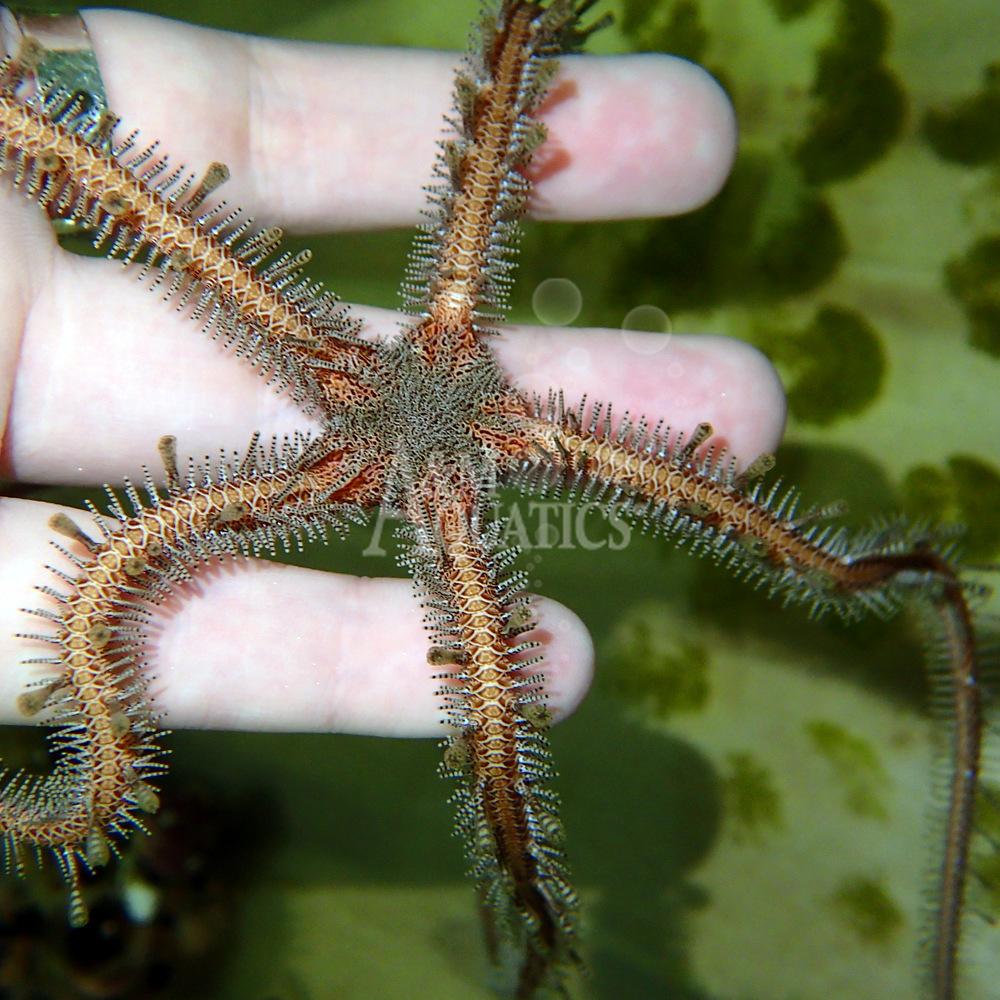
[683,379]
[699,146]
[569,656]
[748,394]
[343,654]
[643,135]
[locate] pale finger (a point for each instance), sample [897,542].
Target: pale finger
[106,370]
[323,137]
[259,646]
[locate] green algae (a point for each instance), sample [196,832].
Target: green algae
[974,279]
[791,10]
[836,364]
[662,675]
[966,491]
[766,237]
[985,853]
[860,41]
[860,104]
[967,130]
[655,27]
[849,134]
[752,801]
[866,908]
[856,768]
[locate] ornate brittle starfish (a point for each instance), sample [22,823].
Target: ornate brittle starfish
[423,426]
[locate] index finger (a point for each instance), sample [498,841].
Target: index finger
[322,137]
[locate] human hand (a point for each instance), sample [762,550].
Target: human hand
[318,137]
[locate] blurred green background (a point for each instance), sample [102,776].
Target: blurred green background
[746,792]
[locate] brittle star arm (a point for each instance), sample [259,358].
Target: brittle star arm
[212,259]
[95,687]
[493,689]
[684,487]
[460,269]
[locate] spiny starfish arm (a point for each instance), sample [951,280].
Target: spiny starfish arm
[460,267]
[95,688]
[961,654]
[477,614]
[215,263]
[957,663]
[685,488]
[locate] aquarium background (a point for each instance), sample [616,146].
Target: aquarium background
[746,791]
